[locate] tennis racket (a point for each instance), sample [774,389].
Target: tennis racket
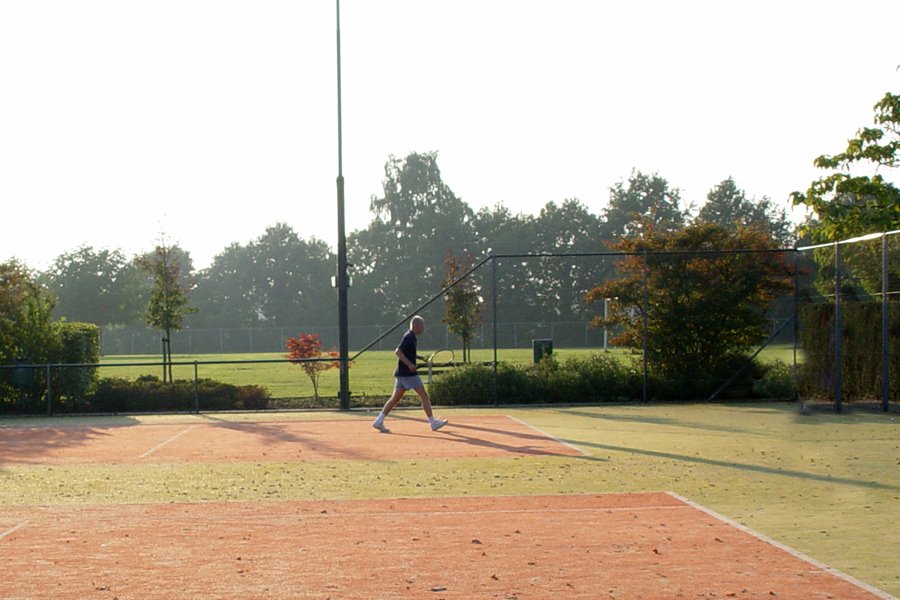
[440,358]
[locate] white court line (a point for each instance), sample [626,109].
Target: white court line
[168,441]
[13,530]
[547,435]
[788,549]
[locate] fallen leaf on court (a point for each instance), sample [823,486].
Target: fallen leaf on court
[439,588]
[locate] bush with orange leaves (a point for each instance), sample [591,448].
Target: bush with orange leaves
[306,349]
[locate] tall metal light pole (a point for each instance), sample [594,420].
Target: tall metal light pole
[341,278]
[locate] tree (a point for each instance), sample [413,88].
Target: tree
[290,278]
[223,295]
[305,350]
[100,287]
[703,310]
[848,203]
[398,259]
[169,301]
[498,231]
[728,206]
[463,302]
[26,327]
[646,201]
[561,282]
[278,279]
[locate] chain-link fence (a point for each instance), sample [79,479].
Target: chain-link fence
[689,324]
[850,322]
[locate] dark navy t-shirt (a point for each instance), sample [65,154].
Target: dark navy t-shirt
[408,349]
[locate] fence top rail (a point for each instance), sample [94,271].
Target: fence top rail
[642,252]
[861,238]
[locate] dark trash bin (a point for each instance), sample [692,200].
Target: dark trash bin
[22,374]
[541,348]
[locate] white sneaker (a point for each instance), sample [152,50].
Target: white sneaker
[437,424]
[380,427]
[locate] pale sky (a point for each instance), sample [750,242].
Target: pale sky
[209,120]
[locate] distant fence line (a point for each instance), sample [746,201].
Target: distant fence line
[222,340]
[565,334]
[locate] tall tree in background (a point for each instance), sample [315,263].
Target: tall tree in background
[498,231]
[169,301]
[223,293]
[290,281]
[562,282]
[95,286]
[400,256]
[462,301]
[646,201]
[728,206]
[278,279]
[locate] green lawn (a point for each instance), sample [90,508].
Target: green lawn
[370,375]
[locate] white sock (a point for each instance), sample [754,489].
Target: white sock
[380,418]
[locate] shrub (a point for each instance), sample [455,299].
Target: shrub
[861,350]
[473,384]
[597,378]
[777,383]
[79,343]
[149,394]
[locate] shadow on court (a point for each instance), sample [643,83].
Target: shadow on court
[739,466]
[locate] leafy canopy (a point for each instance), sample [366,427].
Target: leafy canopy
[703,309]
[849,202]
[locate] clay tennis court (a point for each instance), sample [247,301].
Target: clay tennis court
[229,441]
[647,545]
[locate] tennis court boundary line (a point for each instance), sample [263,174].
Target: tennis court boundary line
[13,530]
[168,441]
[547,435]
[795,553]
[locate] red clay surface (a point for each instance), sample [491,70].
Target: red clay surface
[223,441]
[623,546]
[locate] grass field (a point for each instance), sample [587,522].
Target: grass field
[827,485]
[370,375]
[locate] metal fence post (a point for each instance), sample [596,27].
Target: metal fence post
[494,302]
[646,310]
[838,333]
[885,322]
[795,371]
[196,389]
[49,394]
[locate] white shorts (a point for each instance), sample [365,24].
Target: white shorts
[408,383]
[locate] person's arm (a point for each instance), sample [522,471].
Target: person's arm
[403,359]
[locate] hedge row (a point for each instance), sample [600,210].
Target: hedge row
[861,350]
[149,394]
[597,379]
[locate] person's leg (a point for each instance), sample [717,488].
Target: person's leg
[392,401]
[388,407]
[426,406]
[426,402]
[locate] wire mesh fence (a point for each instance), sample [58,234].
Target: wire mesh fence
[850,322]
[692,325]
